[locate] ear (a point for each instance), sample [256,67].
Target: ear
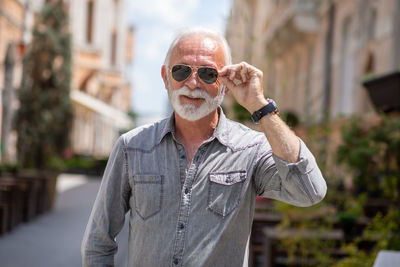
[164,76]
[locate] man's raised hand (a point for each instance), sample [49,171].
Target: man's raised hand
[246,84]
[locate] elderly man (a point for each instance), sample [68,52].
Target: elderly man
[190,181]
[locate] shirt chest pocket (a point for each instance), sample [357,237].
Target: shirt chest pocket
[148,194]
[225,191]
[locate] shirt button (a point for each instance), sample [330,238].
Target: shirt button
[187,191]
[176,261]
[181,226]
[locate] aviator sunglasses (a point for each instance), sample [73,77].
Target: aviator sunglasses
[181,72]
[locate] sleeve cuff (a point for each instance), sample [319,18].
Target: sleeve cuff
[302,165]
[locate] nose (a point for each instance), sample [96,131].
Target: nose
[193,81]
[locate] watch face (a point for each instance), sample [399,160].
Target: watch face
[273,103]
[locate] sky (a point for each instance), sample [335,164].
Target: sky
[155,23]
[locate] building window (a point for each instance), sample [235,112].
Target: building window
[370,64]
[114,36]
[90,21]
[372,24]
[308,91]
[296,87]
[346,97]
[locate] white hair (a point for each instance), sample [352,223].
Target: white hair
[202,32]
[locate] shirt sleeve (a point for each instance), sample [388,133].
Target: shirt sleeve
[108,214]
[300,184]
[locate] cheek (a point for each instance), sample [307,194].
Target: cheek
[212,90]
[174,85]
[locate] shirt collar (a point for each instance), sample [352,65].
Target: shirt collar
[168,127]
[221,131]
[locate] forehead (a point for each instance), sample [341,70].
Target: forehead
[198,50]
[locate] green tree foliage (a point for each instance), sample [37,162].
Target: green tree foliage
[241,114]
[290,118]
[383,232]
[373,155]
[45,115]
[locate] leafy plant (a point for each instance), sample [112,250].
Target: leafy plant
[241,114]
[85,165]
[373,155]
[290,117]
[9,168]
[370,151]
[45,114]
[302,246]
[382,234]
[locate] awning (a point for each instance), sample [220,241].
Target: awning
[119,118]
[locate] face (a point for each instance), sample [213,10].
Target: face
[193,99]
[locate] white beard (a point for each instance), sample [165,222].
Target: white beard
[191,112]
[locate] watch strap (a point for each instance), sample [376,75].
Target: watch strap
[271,107]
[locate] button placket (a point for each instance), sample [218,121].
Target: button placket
[182,163]
[184,209]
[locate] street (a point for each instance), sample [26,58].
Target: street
[54,239]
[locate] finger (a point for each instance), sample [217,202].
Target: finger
[223,71]
[226,70]
[235,74]
[253,71]
[229,84]
[232,75]
[232,72]
[243,74]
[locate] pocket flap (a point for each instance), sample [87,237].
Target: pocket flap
[228,178]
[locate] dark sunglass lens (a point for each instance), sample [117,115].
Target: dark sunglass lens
[181,72]
[208,75]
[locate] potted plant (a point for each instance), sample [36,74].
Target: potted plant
[384,91]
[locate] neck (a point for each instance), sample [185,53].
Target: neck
[193,133]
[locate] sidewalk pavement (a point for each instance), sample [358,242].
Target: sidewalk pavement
[54,239]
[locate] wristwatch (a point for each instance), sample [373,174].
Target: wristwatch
[271,107]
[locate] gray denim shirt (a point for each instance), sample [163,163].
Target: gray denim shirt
[191,215]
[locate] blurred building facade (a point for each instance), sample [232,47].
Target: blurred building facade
[16,18]
[100,88]
[314,54]
[102,48]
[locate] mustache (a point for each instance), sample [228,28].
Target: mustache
[193,93]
